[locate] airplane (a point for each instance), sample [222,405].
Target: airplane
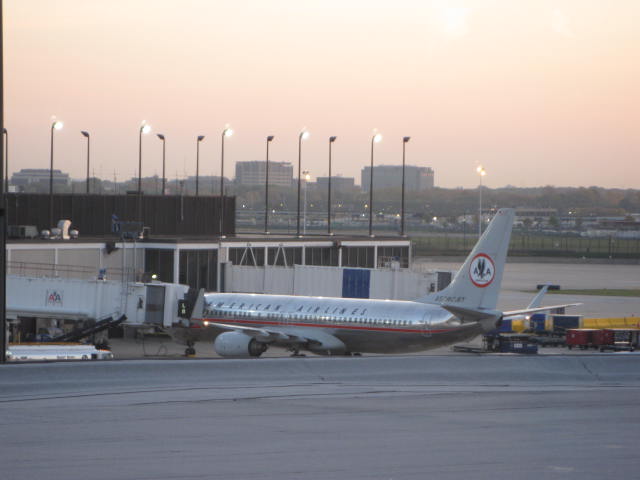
[244,325]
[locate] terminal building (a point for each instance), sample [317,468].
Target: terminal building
[417,179]
[175,239]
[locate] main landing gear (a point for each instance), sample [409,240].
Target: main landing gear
[190,351]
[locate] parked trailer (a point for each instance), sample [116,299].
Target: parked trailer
[582,338]
[510,343]
[617,339]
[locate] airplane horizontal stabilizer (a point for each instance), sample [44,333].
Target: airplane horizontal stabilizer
[526,311]
[472,315]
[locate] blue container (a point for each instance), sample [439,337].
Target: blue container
[505,327]
[517,346]
[537,321]
[565,322]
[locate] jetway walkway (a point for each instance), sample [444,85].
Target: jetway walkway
[381,283]
[68,309]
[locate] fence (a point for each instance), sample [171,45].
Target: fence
[533,245]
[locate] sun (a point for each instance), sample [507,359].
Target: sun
[454,21]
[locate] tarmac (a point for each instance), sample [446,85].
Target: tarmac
[404,417]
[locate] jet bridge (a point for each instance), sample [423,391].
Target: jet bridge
[93,303]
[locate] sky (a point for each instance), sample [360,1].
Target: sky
[538,92]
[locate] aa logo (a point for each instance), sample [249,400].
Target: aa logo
[482,270]
[53,298]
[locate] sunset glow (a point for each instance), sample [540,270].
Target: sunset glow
[539,91]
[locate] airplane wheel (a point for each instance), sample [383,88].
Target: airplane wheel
[190,351]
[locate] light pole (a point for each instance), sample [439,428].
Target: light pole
[374,139]
[86,135]
[266,188]
[56,125]
[405,140]
[304,134]
[227,132]
[481,173]
[144,128]
[6,160]
[164,178]
[331,140]
[307,177]
[199,138]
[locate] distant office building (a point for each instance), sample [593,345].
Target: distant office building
[254,173]
[337,183]
[417,179]
[39,177]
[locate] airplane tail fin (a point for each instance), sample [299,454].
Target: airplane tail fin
[537,300]
[477,284]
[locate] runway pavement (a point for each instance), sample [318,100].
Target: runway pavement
[412,417]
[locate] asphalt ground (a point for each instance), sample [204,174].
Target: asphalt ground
[412,417]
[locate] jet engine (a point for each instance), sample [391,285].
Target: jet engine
[238,345]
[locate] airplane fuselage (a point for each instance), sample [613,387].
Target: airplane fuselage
[361,325]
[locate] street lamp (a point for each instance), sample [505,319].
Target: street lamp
[164,178]
[227,132]
[304,134]
[405,140]
[199,138]
[307,177]
[56,125]
[6,160]
[266,188]
[331,140]
[374,139]
[481,173]
[144,128]
[86,135]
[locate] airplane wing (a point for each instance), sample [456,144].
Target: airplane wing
[526,311]
[264,335]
